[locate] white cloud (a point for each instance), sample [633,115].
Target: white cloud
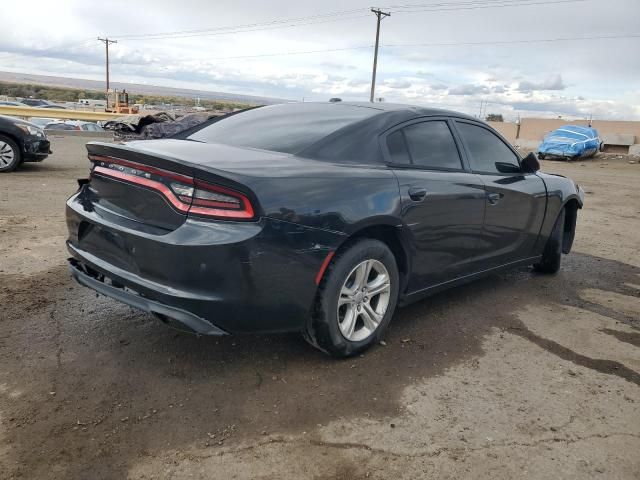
[553,82]
[396,83]
[468,89]
[526,78]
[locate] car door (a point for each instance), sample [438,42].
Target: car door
[515,201]
[442,202]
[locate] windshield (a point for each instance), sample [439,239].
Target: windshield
[287,128]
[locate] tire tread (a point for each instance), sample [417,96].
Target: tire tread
[317,331]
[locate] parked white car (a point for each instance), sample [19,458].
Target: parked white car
[74,125]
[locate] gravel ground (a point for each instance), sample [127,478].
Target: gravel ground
[516,375]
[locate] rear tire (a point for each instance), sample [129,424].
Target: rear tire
[356,299]
[552,255]
[541,156]
[10,156]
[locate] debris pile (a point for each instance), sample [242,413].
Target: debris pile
[158,125]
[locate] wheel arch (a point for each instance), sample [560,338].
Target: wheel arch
[19,143]
[571,207]
[15,138]
[392,236]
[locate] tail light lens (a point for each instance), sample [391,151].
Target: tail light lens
[184,193]
[210,200]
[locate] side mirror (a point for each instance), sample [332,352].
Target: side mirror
[530,163]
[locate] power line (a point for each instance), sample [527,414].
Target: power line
[244,30]
[442,44]
[322,18]
[473,3]
[281,23]
[512,42]
[44,52]
[492,5]
[448,4]
[403,45]
[337,16]
[278,54]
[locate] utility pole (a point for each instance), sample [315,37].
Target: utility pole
[380,15]
[106,44]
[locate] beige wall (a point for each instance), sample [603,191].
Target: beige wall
[537,128]
[507,130]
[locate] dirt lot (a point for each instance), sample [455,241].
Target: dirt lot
[517,375]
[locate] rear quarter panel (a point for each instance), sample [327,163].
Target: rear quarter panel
[341,198]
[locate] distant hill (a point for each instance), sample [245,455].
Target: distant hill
[135,88]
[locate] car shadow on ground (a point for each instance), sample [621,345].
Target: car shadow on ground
[96,384]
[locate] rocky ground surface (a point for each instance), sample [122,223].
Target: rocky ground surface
[518,375]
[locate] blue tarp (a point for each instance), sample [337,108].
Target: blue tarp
[570,141]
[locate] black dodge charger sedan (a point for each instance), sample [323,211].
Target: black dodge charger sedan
[319,218]
[21,141]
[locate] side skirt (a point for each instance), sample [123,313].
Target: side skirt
[408,298]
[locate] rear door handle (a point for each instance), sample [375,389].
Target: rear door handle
[417,194]
[494,197]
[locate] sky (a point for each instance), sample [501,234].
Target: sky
[475,56]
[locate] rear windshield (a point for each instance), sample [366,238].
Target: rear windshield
[287,128]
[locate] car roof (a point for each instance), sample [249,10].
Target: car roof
[398,107]
[353,141]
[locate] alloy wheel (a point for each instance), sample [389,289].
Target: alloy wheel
[6,154]
[364,299]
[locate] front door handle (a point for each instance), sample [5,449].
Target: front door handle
[494,197]
[417,194]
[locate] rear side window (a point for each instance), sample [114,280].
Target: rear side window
[487,153]
[426,144]
[398,148]
[287,128]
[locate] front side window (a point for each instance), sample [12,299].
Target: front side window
[426,144]
[487,153]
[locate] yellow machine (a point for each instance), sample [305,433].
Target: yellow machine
[118,102]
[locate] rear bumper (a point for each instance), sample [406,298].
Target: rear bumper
[236,277]
[97,282]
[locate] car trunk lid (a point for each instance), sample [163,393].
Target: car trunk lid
[155,189]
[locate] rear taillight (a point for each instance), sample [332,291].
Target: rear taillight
[184,193]
[213,200]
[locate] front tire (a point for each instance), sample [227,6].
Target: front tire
[356,299]
[9,154]
[552,255]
